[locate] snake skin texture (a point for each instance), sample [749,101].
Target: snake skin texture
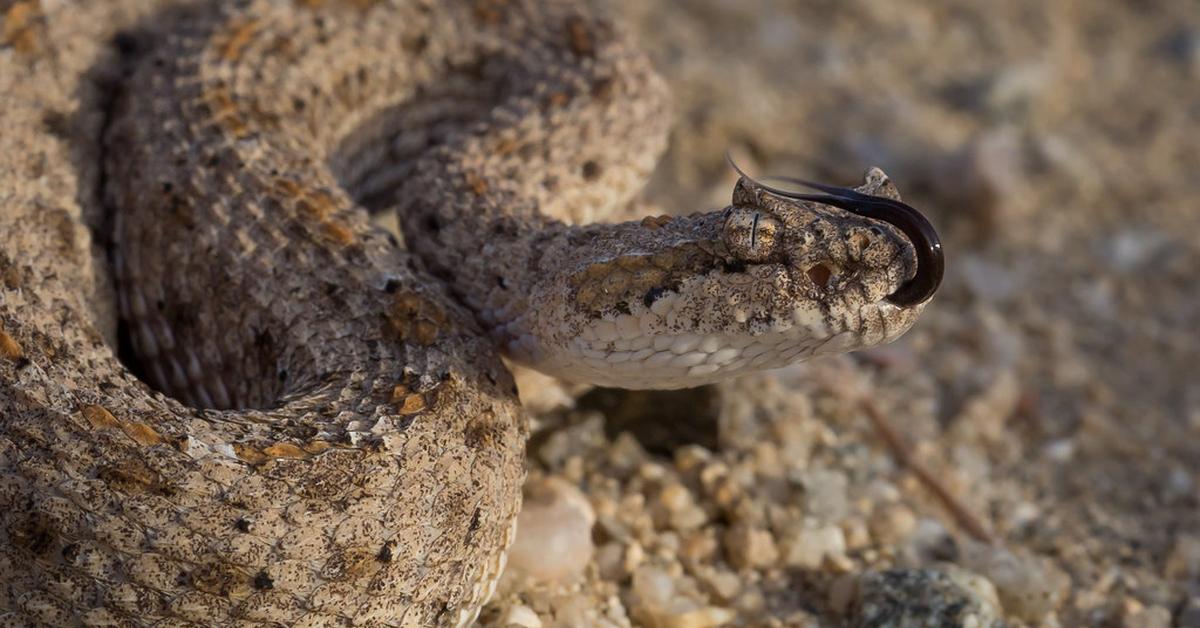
[312,425]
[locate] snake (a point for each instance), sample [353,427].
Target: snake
[229,397]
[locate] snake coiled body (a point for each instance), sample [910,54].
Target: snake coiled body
[317,429]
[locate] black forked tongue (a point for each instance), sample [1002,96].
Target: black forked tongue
[931,262]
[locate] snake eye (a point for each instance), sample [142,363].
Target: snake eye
[751,235]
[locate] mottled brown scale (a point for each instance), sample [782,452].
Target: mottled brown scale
[237,35]
[417,319]
[477,183]
[557,99]
[315,447]
[490,11]
[602,287]
[484,432]
[11,277]
[64,229]
[20,26]
[248,453]
[99,417]
[633,262]
[288,188]
[283,47]
[507,147]
[580,37]
[9,349]
[132,476]
[284,450]
[142,433]
[410,404]
[226,112]
[655,222]
[357,4]
[338,233]
[220,580]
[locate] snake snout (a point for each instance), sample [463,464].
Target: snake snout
[931,260]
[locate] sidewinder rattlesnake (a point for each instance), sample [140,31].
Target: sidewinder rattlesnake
[322,432]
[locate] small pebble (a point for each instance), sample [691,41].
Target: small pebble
[1024,514]
[684,615]
[582,436]
[808,548]
[979,586]
[751,602]
[541,394]
[893,524]
[610,560]
[635,555]
[522,616]
[705,617]
[724,585]
[683,514]
[795,440]
[1137,615]
[699,545]
[652,472]
[1060,451]
[554,531]
[653,587]
[856,532]
[661,603]
[930,542]
[749,546]
[1132,249]
[825,495]
[767,461]
[626,453]
[1030,588]
[1177,485]
[920,597]
[1183,563]
[691,457]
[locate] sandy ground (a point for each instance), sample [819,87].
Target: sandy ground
[1051,386]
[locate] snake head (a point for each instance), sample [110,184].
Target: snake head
[834,260]
[774,278]
[883,207]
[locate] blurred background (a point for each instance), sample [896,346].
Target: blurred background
[1051,385]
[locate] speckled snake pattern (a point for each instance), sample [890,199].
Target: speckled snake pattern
[312,425]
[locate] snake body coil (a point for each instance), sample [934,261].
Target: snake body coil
[328,436]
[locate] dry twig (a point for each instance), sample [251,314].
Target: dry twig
[903,452]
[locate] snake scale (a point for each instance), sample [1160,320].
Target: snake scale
[312,425]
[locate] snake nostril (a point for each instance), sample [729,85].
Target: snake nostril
[820,274]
